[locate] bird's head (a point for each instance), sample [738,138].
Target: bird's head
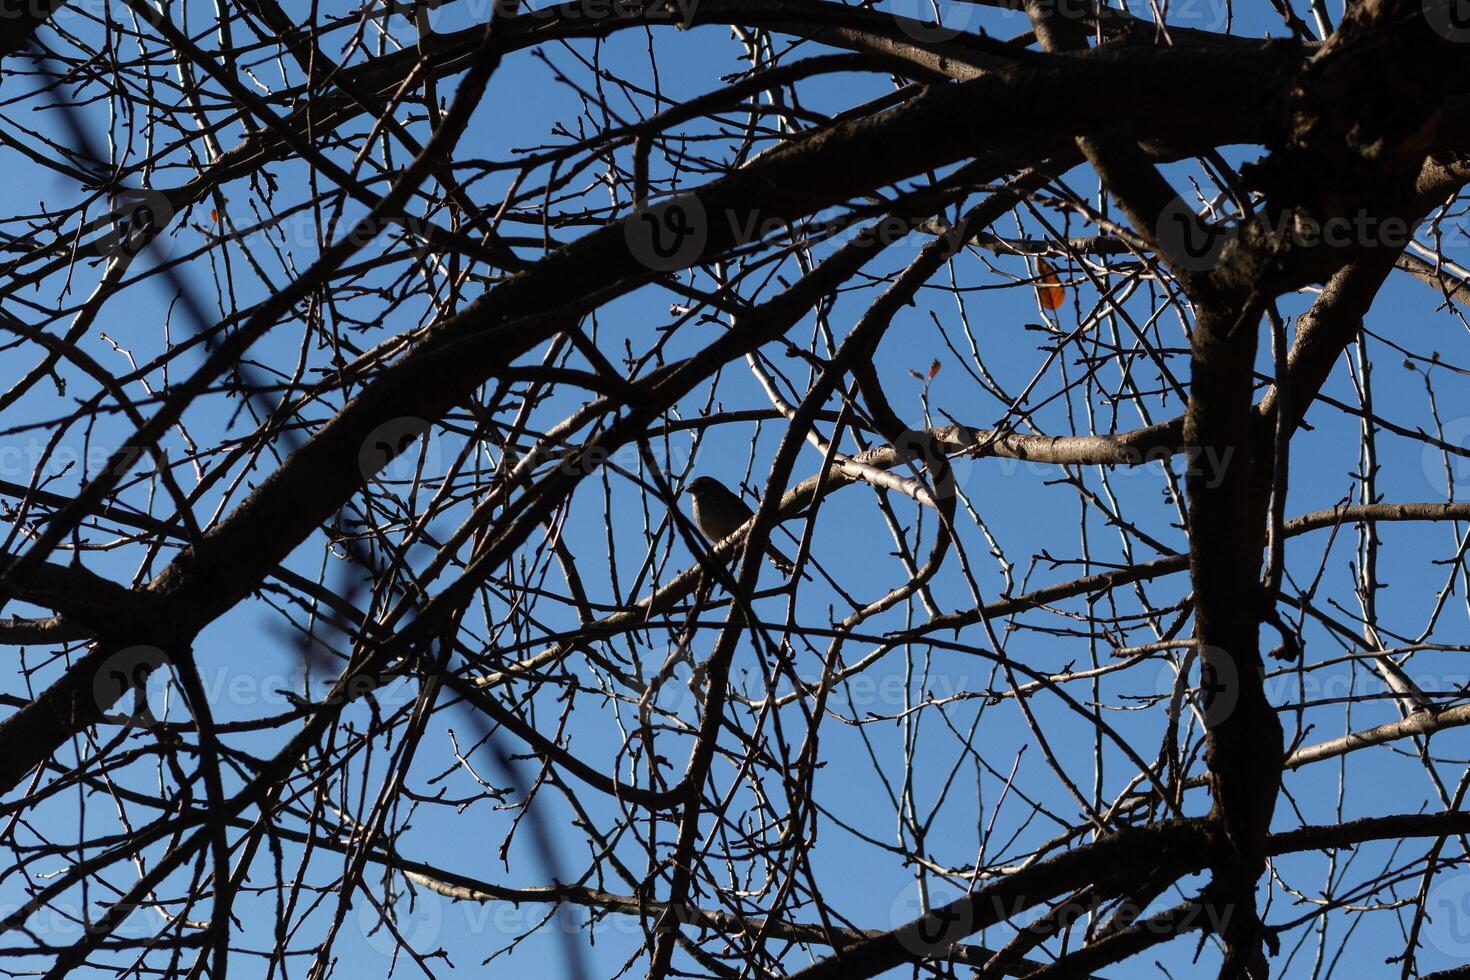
[703,484]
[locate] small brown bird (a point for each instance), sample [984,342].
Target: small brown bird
[719,513]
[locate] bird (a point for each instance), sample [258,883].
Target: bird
[719,513]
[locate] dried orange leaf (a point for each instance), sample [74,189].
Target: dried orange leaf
[934,368]
[1049,291]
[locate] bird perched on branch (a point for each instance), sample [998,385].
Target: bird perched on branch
[719,513]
